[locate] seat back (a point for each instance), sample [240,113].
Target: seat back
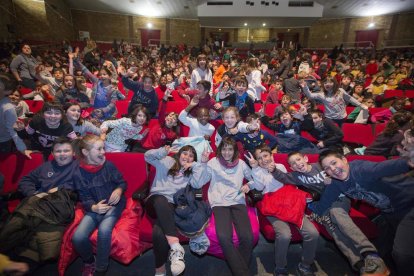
[122,108]
[132,167]
[378,128]
[393,94]
[15,166]
[409,94]
[358,134]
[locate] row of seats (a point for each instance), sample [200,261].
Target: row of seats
[399,94]
[136,227]
[365,133]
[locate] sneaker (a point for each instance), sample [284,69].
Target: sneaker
[280,272]
[88,269]
[177,260]
[304,270]
[373,264]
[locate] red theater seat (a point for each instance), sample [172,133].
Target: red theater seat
[378,128]
[122,108]
[14,167]
[358,134]
[409,94]
[176,107]
[270,109]
[393,94]
[133,168]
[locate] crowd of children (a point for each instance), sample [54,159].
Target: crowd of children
[226,108]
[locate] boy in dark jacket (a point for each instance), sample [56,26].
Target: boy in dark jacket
[372,182]
[144,93]
[328,134]
[33,233]
[240,99]
[311,178]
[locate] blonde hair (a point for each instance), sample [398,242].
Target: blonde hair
[85,142]
[230,109]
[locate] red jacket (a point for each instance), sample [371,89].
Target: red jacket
[287,204]
[159,134]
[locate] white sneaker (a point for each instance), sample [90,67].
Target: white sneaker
[177,260]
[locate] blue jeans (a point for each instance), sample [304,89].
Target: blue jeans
[105,224]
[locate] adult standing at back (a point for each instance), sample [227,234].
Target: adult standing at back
[8,118]
[23,67]
[201,72]
[285,65]
[254,78]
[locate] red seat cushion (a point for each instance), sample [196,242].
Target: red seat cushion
[125,244]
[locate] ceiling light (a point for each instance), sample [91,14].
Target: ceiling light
[149,25]
[264,24]
[245,24]
[370,25]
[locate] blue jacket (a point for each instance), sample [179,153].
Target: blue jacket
[294,128]
[94,187]
[47,176]
[367,182]
[292,142]
[191,216]
[250,143]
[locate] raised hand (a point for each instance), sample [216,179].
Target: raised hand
[254,125]
[173,149]
[121,70]
[252,161]
[115,196]
[76,53]
[101,207]
[205,156]
[217,105]
[18,126]
[245,189]
[261,111]
[320,144]
[186,97]
[302,109]
[27,153]
[132,71]
[271,167]
[302,83]
[195,100]
[186,166]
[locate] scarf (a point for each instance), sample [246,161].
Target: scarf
[226,164]
[90,168]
